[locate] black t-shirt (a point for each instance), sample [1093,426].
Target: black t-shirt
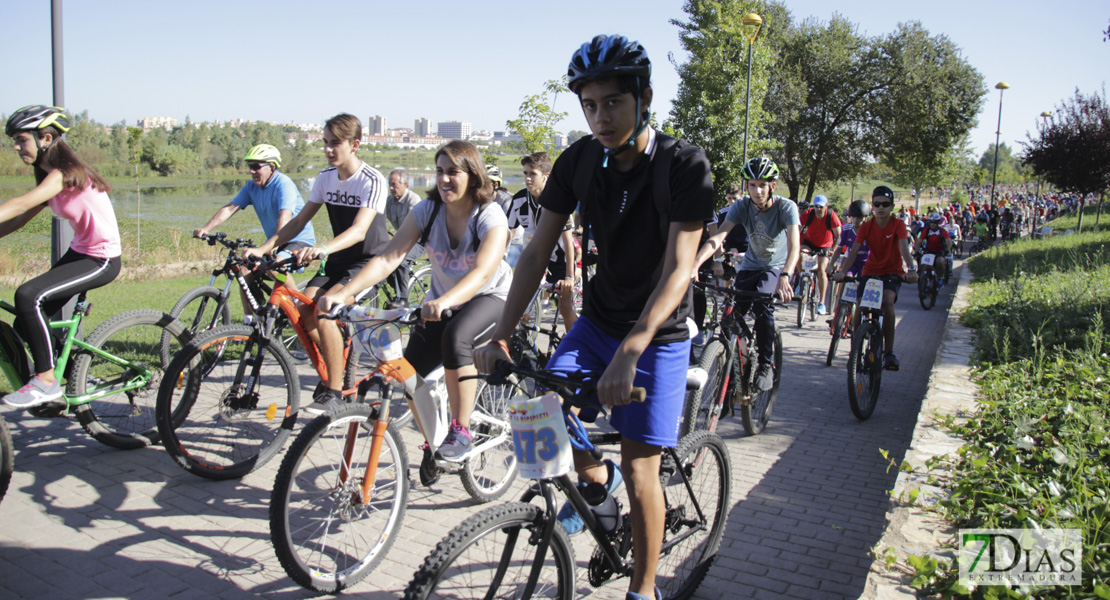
[624,224]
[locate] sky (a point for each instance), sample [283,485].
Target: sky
[303,62]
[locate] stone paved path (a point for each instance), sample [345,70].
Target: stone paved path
[809,500]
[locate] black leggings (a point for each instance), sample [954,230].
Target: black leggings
[46,294]
[451,342]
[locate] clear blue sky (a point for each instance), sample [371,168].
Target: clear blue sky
[290,61]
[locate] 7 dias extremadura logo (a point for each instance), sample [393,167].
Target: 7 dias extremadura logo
[1021,556]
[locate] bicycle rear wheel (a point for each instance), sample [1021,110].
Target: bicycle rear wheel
[802,301]
[694,524]
[123,416]
[703,408]
[757,413]
[223,417]
[420,284]
[840,325]
[491,554]
[865,370]
[491,473]
[326,538]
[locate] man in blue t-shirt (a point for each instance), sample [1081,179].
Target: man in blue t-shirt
[275,199]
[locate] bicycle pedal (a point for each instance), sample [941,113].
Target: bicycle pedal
[51,410]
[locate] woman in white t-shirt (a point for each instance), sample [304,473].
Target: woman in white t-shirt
[77,193]
[466,240]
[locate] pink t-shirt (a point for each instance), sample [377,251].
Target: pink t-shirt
[90,212]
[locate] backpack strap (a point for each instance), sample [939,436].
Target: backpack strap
[436,205]
[583,176]
[665,150]
[474,241]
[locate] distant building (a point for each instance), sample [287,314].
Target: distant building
[166,123]
[422,128]
[560,140]
[399,132]
[377,125]
[454,130]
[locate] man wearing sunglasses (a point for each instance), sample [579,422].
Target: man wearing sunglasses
[275,199]
[888,241]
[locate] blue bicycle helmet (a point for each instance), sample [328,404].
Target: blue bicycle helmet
[613,56]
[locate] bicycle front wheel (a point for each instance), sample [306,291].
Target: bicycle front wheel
[865,370]
[703,408]
[757,413]
[489,475]
[694,523]
[420,284]
[326,534]
[491,554]
[200,309]
[926,289]
[802,302]
[224,416]
[124,382]
[7,457]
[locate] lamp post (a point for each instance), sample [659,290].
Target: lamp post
[1044,118]
[1001,86]
[754,23]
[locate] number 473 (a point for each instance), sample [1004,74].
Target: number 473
[531,445]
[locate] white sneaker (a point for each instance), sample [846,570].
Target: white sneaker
[36,392]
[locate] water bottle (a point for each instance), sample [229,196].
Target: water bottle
[603,505]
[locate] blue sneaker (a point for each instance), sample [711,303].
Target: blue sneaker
[570,518]
[821,310]
[635,596]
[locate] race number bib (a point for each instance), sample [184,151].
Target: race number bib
[850,292]
[383,341]
[809,262]
[540,437]
[928,259]
[872,294]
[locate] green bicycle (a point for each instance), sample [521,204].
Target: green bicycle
[111,377]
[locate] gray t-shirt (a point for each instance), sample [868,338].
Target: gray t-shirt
[766,231]
[449,265]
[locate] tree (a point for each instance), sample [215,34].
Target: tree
[929,110]
[576,134]
[538,117]
[709,110]
[1072,150]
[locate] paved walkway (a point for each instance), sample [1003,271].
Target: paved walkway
[809,500]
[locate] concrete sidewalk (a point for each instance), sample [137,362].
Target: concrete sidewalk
[810,499]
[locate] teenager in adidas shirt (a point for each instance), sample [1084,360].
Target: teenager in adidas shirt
[634,324]
[355,196]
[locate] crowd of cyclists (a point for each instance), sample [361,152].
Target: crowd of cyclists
[628,186]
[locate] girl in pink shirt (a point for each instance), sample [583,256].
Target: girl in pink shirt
[77,193]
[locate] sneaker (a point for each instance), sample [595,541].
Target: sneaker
[36,392]
[569,517]
[765,377]
[635,596]
[429,470]
[699,339]
[821,310]
[324,401]
[890,362]
[457,445]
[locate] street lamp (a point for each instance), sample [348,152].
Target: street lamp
[752,23]
[1001,86]
[1044,117]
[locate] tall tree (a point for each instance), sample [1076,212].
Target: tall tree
[1072,150]
[709,110]
[927,113]
[537,118]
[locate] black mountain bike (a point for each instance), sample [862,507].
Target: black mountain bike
[519,550]
[865,361]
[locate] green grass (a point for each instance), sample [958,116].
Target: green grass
[1037,452]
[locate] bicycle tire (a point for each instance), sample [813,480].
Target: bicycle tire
[489,475]
[420,285]
[124,419]
[287,335]
[802,302]
[705,459]
[925,293]
[344,540]
[862,360]
[496,541]
[7,457]
[703,408]
[204,307]
[209,425]
[811,304]
[532,320]
[756,414]
[840,325]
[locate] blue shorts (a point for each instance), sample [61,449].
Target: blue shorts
[661,370]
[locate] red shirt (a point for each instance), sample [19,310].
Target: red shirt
[818,233]
[885,257]
[934,240]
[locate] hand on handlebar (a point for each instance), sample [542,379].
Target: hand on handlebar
[328,303]
[910,277]
[309,254]
[434,310]
[200,232]
[838,276]
[487,356]
[784,290]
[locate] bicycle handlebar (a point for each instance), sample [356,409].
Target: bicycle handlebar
[577,388]
[740,293]
[409,315]
[221,237]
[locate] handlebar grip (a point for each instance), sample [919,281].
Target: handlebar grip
[639,394]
